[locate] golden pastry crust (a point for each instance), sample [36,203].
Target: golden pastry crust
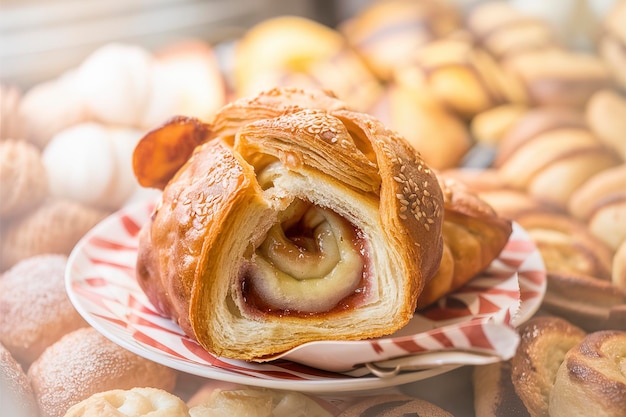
[592,378]
[544,341]
[473,236]
[201,258]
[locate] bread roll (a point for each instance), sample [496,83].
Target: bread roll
[591,381]
[544,341]
[36,311]
[134,402]
[393,405]
[318,223]
[83,363]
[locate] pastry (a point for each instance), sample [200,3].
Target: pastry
[566,245]
[504,30]
[544,341]
[592,380]
[289,51]
[55,226]
[83,363]
[258,402]
[134,402]
[114,82]
[24,177]
[385,33]
[559,77]
[91,164]
[394,405]
[326,226]
[18,399]
[473,236]
[491,126]
[462,76]
[440,136]
[36,311]
[186,79]
[51,106]
[604,115]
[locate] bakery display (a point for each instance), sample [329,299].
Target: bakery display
[328,226]
[515,107]
[290,51]
[83,363]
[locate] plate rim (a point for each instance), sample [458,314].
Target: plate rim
[343,383]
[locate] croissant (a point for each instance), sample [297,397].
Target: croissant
[288,219]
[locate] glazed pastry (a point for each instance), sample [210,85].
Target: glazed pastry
[24,177]
[386,33]
[55,226]
[18,399]
[289,51]
[394,405]
[36,311]
[544,341]
[83,363]
[473,236]
[317,224]
[134,402]
[591,381]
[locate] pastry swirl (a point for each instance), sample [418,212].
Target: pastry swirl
[293,220]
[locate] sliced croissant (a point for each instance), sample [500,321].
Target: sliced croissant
[296,220]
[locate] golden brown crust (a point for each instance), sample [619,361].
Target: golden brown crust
[544,341]
[473,235]
[198,257]
[591,380]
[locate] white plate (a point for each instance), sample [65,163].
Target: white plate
[101,284]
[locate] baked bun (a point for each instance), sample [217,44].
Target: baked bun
[612,42]
[246,401]
[386,33]
[134,402]
[24,177]
[36,311]
[290,51]
[394,405]
[591,381]
[83,363]
[318,223]
[55,226]
[473,236]
[439,135]
[17,395]
[11,123]
[544,341]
